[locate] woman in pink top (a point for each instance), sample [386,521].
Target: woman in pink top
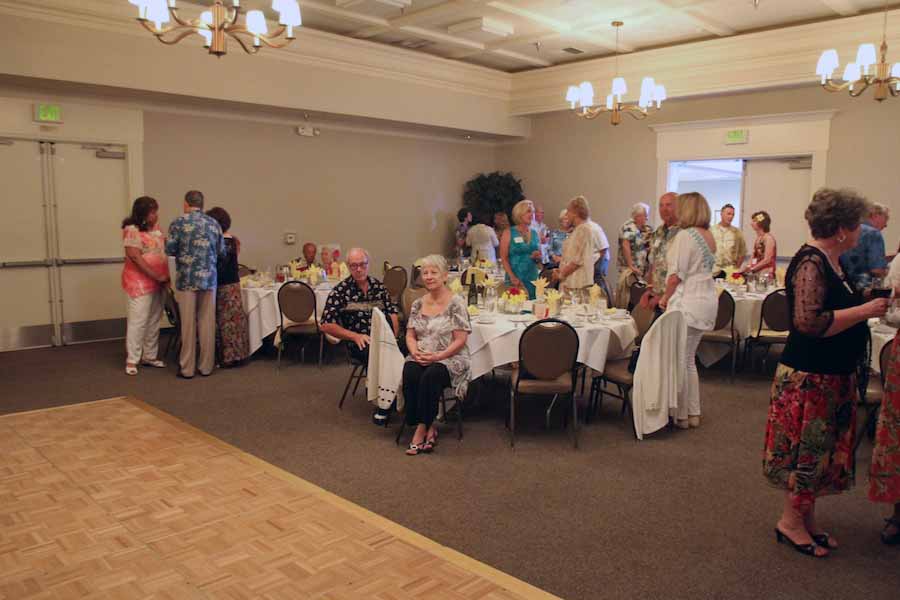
[143,277]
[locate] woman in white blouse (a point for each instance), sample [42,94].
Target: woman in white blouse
[483,241]
[576,269]
[690,289]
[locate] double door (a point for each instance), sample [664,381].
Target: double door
[60,242]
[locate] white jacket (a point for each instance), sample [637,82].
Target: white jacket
[659,372]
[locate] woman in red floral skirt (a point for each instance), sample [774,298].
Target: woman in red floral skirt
[884,474]
[812,414]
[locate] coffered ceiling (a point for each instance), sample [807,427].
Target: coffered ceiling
[517,35]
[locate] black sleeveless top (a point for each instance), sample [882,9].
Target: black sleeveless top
[227,265]
[814,292]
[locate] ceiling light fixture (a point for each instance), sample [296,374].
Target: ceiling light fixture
[865,72]
[581,97]
[218,22]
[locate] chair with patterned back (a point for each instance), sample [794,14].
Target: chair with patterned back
[297,304]
[395,280]
[548,353]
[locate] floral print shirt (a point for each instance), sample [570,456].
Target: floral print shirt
[638,240]
[196,242]
[659,245]
[350,308]
[134,281]
[730,246]
[435,334]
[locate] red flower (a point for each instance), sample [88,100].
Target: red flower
[513,291]
[736,275]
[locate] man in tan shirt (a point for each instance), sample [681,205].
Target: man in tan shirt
[731,249]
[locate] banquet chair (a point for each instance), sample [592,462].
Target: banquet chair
[448,394]
[724,332]
[416,277]
[773,326]
[297,302]
[616,371]
[548,351]
[358,371]
[407,298]
[395,280]
[636,292]
[170,306]
[873,395]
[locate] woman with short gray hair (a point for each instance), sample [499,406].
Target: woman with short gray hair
[436,335]
[634,251]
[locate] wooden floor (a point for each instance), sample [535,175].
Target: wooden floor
[113,499]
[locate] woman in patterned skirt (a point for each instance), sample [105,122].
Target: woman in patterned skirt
[232,337]
[884,474]
[812,414]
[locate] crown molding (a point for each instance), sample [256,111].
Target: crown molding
[754,61]
[748,121]
[312,47]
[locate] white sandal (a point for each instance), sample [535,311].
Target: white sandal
[130,370]
[154,363]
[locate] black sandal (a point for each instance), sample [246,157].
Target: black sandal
[823,539]
[891,539]
[807,549]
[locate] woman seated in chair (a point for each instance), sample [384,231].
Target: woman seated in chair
[436,335]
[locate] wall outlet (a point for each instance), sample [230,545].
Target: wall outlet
[290,238]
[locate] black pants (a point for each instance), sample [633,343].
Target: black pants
[422,389]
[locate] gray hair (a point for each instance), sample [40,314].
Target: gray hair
[435,261]
[363,250]
[877,209]
[194,199]
[639,208]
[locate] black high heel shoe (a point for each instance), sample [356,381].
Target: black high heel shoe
[823,539]
[807,549]
[891,539]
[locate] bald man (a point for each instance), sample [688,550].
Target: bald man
[659,244]
[310,253]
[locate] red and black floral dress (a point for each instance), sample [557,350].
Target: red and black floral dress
[812,414]
[884,474]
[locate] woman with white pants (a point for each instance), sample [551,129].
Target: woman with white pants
[690,290]
[145,272]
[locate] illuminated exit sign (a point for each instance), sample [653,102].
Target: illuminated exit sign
[737,136]
[48,113]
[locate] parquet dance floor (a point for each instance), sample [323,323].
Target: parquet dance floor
[113,499]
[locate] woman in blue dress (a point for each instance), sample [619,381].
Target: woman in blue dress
[520,249]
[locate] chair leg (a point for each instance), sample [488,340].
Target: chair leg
[347,387]
[512,419]
[549,410]
[278,362]
[459,418]
[734,353]
[400,431]
[583,376]
[624,398]
[321,348]
[360,377]
[574,420]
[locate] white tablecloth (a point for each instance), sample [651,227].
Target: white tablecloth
[747,315]
[263,315]
[497,344]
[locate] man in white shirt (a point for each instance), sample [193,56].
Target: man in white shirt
[601,259]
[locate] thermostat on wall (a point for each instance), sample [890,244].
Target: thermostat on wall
[48,113]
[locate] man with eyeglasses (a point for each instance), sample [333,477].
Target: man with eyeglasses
[348,310]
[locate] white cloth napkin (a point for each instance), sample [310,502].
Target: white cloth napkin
[385,372]
[659,373]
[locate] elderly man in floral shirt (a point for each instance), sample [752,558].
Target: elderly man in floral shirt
[659,245]
[196,242]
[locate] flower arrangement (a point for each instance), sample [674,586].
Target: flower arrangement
[735,277]
[513,298]
[483,263]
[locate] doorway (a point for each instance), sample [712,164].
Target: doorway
[60,242]
[720,181]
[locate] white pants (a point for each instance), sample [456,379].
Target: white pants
[689,396]
[142,337]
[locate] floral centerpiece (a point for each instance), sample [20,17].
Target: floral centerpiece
[513,298]
[553,298]
[483,263]
[734,277]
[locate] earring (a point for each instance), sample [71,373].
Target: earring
[842,239]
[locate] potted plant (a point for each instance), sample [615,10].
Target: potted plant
[490,193]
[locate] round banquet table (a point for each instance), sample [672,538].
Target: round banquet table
[495,344]
[263,315]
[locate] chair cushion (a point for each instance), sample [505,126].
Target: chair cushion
[768,336]
[617,372]
[307,328]
[560,385]
[719,335]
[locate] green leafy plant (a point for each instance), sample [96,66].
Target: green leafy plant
[490,193]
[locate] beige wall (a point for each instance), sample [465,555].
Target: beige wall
[614,167]
[396,196]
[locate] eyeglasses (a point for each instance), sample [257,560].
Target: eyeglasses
[361,265]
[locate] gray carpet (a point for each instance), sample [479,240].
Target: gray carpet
[680,515]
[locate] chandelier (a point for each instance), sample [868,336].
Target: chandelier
[218,22]
[581,97]
[866,72]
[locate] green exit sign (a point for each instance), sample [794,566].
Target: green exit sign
[737,136]
[48,113]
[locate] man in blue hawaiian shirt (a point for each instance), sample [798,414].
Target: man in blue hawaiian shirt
[196,242]
[867,259]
